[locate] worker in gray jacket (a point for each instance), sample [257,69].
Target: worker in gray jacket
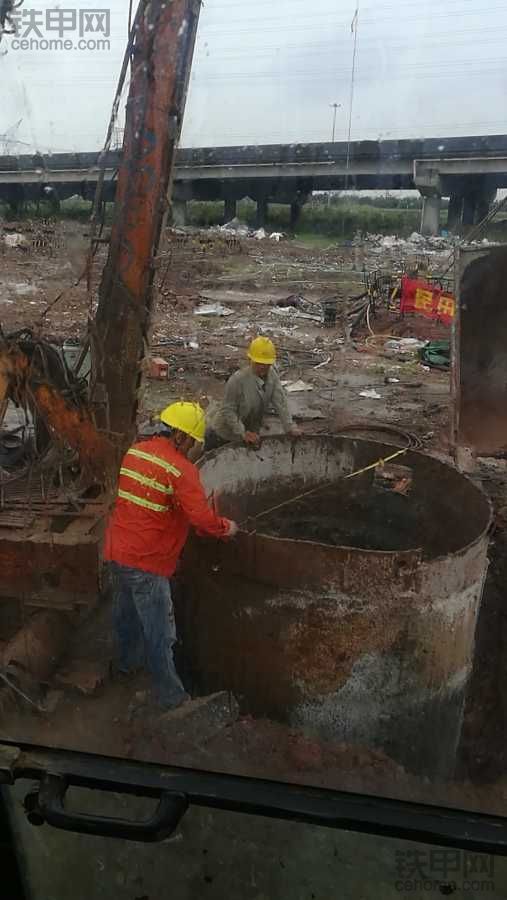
[249,394]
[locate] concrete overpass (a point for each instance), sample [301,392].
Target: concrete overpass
[468,170]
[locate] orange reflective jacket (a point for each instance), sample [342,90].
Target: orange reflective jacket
[159,496]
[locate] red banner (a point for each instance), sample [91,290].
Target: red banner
[421,297]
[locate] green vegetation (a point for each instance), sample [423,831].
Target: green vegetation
[323,219]
[345,218]
[80,210]
[74,208]
[341,219]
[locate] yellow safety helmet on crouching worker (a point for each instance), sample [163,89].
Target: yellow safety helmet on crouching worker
[187,417]
[262,350]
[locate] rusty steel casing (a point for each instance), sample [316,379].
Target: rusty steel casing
[479,363]
[358,645]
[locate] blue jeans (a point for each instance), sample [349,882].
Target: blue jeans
[145,629]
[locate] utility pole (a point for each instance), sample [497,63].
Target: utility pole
[354,29]
[335,107]
[161,61]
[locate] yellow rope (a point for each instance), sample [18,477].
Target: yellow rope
[380,462]
[327,484]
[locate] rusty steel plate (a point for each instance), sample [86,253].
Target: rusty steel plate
[479,357]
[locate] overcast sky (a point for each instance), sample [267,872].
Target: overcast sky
[266,71]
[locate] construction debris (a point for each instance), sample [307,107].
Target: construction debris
[30,658]
[213,309]
[403,347]
[297,387]
[15,240]
[83,677]
[199,720]
[437,354]
[235,226]
[158,367]
[416,243]
[370,394]
[294,313]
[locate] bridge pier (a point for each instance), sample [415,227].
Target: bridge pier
[469,208]
[262,212]
[179,213]
[295,214]
[430,221]
[484,201]
[429,184]
[455,212]
[230,209]
[14,194]
[470,201]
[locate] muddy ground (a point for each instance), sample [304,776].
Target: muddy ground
[347,382]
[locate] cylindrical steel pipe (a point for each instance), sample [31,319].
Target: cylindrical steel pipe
[364,633]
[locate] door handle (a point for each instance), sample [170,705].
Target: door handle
[47,805]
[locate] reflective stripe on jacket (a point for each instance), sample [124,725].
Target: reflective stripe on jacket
[159,496]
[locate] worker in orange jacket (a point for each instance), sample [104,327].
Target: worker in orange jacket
[159,497]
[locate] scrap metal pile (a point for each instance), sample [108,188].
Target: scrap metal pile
[52,398]
[52,467]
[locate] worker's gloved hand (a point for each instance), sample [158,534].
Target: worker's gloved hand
[295,431]
[233,529]
[252,438]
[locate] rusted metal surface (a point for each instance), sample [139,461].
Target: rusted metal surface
[49,533]
[41,567]
[49,542]
[368,646]
[479,359]
[14,366]
[73,426]
[49,548]
[70,423]
[162,56]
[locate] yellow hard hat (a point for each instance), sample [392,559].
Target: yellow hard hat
[262,350]
[187,417]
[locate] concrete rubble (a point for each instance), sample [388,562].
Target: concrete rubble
[201,719]
[416,243]
[15,240]
[297,387]
[241,229]
[213,309]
